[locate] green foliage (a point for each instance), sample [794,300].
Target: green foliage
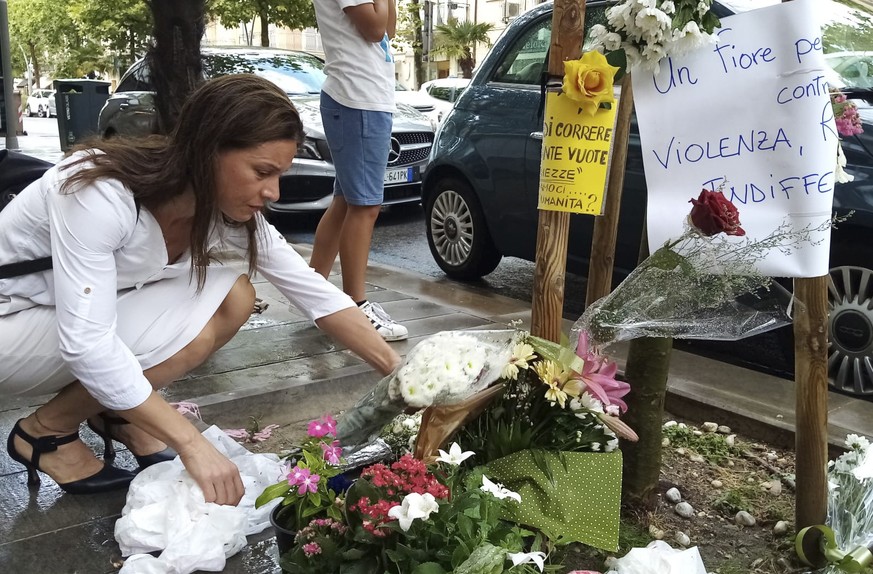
[456,39]
[754,500]
[292,14]
[711,446]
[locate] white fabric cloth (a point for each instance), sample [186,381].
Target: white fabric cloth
[360,74]
[100,246]
[659,558]
[165,511]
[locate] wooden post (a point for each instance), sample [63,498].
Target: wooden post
[553,231]
[606,226]
[811,411]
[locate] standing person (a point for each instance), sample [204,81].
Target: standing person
[357,106]
[137,296]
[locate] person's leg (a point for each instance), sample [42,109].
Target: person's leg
[73,404]
[326,245]
[354,248]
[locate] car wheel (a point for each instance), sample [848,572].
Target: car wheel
[30,113]
[458,237]
[850,330]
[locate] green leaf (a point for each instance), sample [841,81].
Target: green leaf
[429,568]
[618,58]
[271,492]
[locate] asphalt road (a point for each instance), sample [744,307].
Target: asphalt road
[399,240]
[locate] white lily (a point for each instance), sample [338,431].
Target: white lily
[455,456]
[498,490]
[414,506]
[538,558]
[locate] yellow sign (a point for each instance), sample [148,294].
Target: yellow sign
[575,156]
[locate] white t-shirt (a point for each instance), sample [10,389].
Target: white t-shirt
[100,245]
[360,74]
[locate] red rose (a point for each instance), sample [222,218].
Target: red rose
[713,214]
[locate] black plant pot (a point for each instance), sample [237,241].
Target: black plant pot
[284,536]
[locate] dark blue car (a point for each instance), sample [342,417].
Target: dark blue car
[481,186]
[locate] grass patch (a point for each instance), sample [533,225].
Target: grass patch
[713,447]
[754,500]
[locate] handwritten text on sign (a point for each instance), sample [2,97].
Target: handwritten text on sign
[575,156]
[752,113]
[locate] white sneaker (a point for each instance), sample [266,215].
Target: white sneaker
[385,326]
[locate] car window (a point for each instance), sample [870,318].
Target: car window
[137,79]
[297,74]
[526,60]
[441,93]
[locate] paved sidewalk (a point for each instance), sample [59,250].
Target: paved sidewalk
[281,369]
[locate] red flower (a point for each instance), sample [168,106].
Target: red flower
[713,214]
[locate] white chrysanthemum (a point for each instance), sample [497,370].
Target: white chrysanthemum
[597,31]
[611,445]
[668,7]
[653,22]
[590,402]
[703,7]
[611,41]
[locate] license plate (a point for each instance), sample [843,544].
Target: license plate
[398,175]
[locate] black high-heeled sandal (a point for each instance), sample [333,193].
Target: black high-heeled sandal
[109,477]
[144,460]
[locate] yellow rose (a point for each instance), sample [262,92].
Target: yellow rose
[588,80]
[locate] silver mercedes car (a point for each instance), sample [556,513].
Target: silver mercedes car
[308,184]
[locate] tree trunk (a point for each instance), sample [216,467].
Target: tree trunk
[174,57]
[418,43]
[34,59]
[265,28]
[648,364]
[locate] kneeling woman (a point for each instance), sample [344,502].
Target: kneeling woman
[137,295]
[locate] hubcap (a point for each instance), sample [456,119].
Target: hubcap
[451,226]
[850,330]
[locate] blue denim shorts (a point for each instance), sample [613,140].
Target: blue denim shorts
[359,142]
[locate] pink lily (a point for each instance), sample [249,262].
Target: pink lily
[598,374]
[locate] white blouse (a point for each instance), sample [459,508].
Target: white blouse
[100,245]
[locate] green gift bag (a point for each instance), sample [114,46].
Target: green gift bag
[580,504]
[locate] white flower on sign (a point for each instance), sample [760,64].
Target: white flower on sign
[455,456]
[414,506]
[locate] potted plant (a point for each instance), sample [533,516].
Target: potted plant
[307,491]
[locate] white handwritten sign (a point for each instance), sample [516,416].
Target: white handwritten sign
[752,113]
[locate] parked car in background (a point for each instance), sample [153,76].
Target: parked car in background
[41,103]
[446,91]
[308,184]
[426,105]
[481,187]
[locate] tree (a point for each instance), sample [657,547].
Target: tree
[292,14]
[123,26]
[409,30]
[39,27]
[456,40]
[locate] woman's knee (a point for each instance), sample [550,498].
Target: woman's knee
[237,306]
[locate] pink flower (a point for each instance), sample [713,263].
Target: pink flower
[311,549]
[324,426]
[308,484]
[332,452]
[297,475]
[598,374]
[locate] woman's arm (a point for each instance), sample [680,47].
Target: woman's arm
[216,475]
[374,20]
[352,328]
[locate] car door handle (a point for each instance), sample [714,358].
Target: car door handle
[536,135]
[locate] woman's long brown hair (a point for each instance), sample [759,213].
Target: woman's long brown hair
[237,111]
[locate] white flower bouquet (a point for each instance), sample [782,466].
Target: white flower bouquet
[845,544]
[443,369]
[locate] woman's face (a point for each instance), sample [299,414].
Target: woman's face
[248,178]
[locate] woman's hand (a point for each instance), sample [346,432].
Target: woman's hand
[352,328]
[214,473]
